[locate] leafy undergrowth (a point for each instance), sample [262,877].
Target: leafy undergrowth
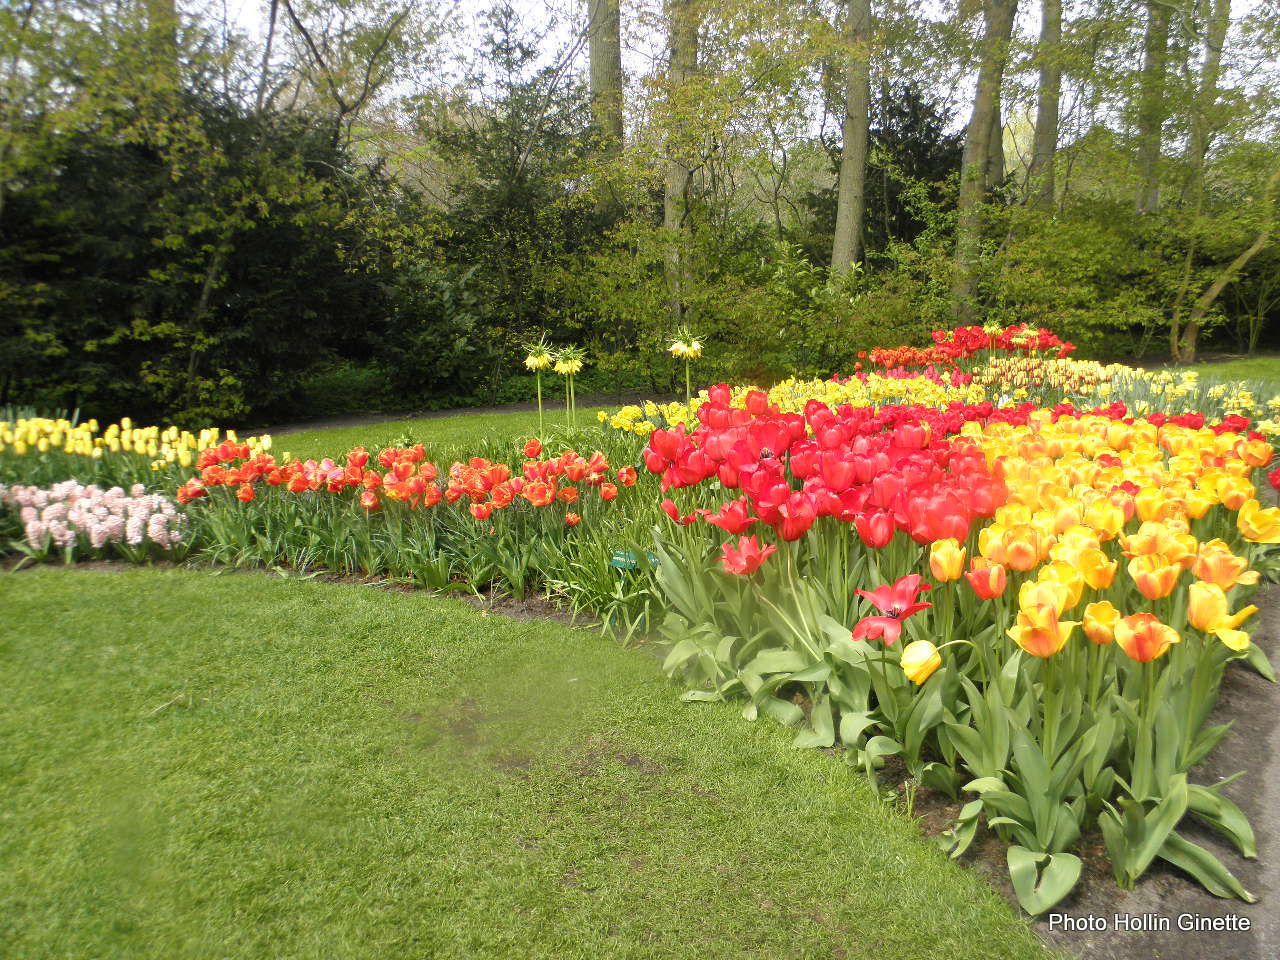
[240,766]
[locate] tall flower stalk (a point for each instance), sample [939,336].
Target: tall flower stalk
[687,346]
[539,358]
[568,362]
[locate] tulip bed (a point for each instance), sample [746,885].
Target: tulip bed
[1063,678]
[1022,575]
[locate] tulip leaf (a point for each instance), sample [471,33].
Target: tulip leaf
[680,654]
[1205,741]
[1257,658]
[1157,825]
[983,784]
[835,631]
[955,840]
[942,777]
[1205,867]
[1166,745]
[970,746]
[926,713]
[1039,879]
[852,725]
[881,747]
[778,661]
[1222,815]
[818,672]
[822,733]
[702,696]
[785,712]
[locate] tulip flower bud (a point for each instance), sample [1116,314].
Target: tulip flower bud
[919,661]
[946,560]
[1100,622]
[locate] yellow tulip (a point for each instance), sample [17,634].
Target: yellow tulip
[1258,525]
[1207,609]
[919,661]
[946,560]
[1105,517]
[1097,571]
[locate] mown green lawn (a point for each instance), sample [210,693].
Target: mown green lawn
[1265,368]
[194,765]
[458,434]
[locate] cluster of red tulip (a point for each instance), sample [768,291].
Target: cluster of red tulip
[408,477]
[963,342]
[895,468]
[907,361]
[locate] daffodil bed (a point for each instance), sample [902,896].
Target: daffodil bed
[1021,574]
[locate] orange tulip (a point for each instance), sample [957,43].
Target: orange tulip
[1256,453]
[1143,637]
[1039,632]
[1155,579]
[1215,563]
[1235,492]
[1023,547]
[987,578]
[1100,622]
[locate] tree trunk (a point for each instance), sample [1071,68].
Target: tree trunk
[1217,19]
[683,47]
[995,148]
[1040,174]
[1183,338]
[846,246]
[1151,104]
[975,161]
[605,51]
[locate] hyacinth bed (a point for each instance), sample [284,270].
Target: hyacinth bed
[1022,575]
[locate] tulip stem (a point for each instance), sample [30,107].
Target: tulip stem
[1049,721]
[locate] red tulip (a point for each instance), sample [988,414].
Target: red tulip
[357,458]
[627,476]
[369,500]
[608,492]
[245,493]
[572,519]
[896,602]
[987,578]
[533,448]
[757,403]
[876,529]
[669,508]
[795,517]
[747,558]
[733,518]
